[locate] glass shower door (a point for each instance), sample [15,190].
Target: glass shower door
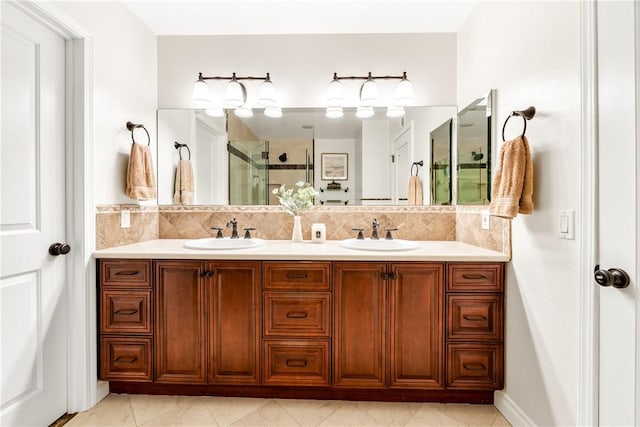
[248,172]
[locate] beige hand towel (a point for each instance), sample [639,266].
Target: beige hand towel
[183,190]
[415,190]
[512,188]
[140,178]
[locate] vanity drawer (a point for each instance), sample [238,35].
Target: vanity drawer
[125,312]
[298,275]
[474,317]
[125,359]
[125,273]
[466,277]
[292,314]
[474,366]
[301,363]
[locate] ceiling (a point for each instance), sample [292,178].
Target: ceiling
[235,17]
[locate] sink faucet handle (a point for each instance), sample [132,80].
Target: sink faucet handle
[247,232]
[374,231]
[360,235]
[219,232]
[389,230]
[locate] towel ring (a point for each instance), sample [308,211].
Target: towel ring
[526,114]
[179,147]
[132,126]
[417,166]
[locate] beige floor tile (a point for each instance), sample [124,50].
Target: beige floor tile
[148,408]
[309,413]
[390,413]
[193,413]
[349,415]
[431,414]
[471,415]
[113,411]
[500,421]
[271,414]
[227,410]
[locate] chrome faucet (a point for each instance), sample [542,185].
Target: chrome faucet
[234,230]
[374,232]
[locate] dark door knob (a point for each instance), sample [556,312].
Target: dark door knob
[615,277]
[59,249]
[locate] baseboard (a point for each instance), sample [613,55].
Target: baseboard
[512,412]
[102,390]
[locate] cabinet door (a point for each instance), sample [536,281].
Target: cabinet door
[180,327]
[417,324]
[234,309]
[359,324]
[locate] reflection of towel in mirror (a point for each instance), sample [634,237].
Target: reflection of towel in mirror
[183,193]
[512,188]
[415,190]
[140,180]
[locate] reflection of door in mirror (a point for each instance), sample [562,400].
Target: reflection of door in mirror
[475,136]
[441,164]
[402,165]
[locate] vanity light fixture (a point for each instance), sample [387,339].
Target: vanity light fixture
[236,96]
[369,96]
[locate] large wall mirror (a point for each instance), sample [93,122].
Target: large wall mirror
[475,148]
[350,161]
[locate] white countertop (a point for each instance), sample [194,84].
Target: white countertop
[287,250]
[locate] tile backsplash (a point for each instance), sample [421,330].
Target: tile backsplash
[191,222]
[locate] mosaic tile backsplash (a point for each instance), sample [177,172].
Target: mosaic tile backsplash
[413,222]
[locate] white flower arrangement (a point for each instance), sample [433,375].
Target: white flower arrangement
[295,203]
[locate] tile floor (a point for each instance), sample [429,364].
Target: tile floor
[143,410]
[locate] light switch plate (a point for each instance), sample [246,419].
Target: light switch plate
[566,224]
[125,218]
[486,222]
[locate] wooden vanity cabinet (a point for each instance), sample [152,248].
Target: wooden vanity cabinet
[475,326]
[388,325]
[125,320]
[297,323]
[207,317]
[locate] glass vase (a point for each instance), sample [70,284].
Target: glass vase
[296,236]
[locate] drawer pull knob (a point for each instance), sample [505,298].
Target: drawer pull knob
[474,276]
[127,273]
[296,275]
[127,312]
[127,359]
[297,363]
[474,367]
[297,315]
[474,318]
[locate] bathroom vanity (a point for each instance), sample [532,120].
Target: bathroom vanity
[303,320]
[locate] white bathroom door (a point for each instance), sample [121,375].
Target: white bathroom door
[33,342]
[618,223]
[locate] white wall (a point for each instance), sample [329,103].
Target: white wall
[530,52]
[124,88]
[302,66]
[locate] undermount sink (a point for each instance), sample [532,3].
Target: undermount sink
[210,243]
[379,245]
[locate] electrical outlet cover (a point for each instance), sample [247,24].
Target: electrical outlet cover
[486,222]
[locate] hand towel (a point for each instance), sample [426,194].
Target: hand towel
[183,190]
[512,189]
[415,190]
[140,178]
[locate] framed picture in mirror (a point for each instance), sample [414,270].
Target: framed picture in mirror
[334,166]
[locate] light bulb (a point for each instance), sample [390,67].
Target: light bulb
[334,112]
[267,97]
[364,112]
[404,92]
[395,111]
[369,93]
[200,95]
[273,112]
[236,93]
[243,111]
[214,112]
[334,96]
